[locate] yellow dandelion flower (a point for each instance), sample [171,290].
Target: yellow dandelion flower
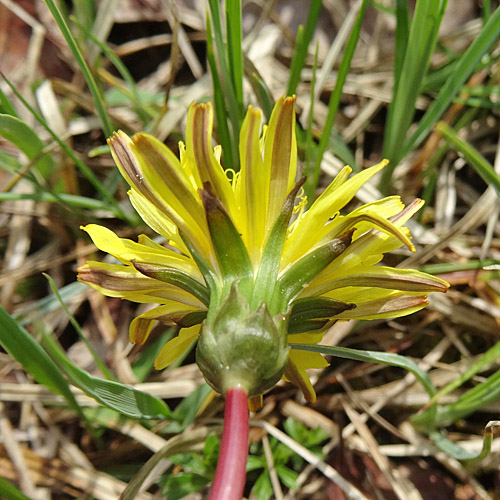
[247,270]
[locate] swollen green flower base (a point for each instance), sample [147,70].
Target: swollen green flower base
[246,268]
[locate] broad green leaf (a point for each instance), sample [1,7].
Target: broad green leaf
[180,485]
[384,358]
[5,105]
[27,352]
[118,397]
[23,136]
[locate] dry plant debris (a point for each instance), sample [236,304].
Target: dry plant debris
[371,450]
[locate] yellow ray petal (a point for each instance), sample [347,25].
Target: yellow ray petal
[157,220]
[280,156]
[147,169]
[200,153]
[305,234]
[169,313]
[127,251]
[176,347]
[251,187]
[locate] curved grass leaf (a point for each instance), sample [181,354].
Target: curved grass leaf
[454,450]
[467,403]
[121,398]
[384,358]
[476,160]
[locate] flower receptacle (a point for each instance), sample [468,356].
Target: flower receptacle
[241,347]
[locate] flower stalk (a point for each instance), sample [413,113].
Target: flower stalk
[230,474]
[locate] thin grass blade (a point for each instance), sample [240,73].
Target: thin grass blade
[99,103]
[304,37]
[410,74]
[462,70]
[334,102]
[476,160]
[384,358]
[234,52]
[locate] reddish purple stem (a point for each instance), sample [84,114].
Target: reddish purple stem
[230,474]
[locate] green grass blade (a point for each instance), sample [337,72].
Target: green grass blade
[145,364]
[309,143]
[83,168]
[454,450]
[234,50]
[121,398]
[383,358]
[334,102]
[450,267]
[225,85]
[476,160]
[28,353]
[420,46]
[449,447]
[100,106]
[10,492]
[229,148]
[467,403]
[487,359]
[263,95]
[304,37]
[68,199]
[486,10]
[97,360]
[134,93]
[48,304]
[462,70]
[402,34]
